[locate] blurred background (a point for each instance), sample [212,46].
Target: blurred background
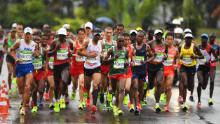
[199,15]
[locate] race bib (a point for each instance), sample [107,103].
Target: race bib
[168,62]
[1,46]
[159,57]
[80,58]
[38,64]
[25,55]
[119,64]
[90,60]
[201,61]
[137,60]
[62,54]
[51,60]
[187,60]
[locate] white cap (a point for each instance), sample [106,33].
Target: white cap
[188,35]
[157,31]
[66,26]
[133,31]
[178,30]
[89,25]
[28,30]
[187,30]
[176,22]
[62,31]
[14,25]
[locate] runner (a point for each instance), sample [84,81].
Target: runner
[169,67]
[107,44]
[25,49]
[212,43]
[2,39]
[89,28]
[118,70]
[77,69]
[39,74]
[139,70]
[188,55]
[155,66]
[92,72]
[204,65]
[119,30]
[128,90]
[9,42]
[61,50]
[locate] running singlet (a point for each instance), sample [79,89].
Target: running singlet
[62,54]
[10,43]
[206,58]
[140,55]
[107,47]
[118,65]
[2,43]
[170,56]
[38,63]
[78,59]
[25,52]
[186,56]
[216,49]
[90,62]
[159,51]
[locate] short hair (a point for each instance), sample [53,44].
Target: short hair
[120,25]
[126,35]
[169,34]
[108,28]
[80,29]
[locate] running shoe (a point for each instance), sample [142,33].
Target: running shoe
[157,108]
[131,108]
[51,106]
[166,108]
[191,98]
[22,111]
[34,109]
[136,111]
[56,107]
[210,102]
[120,112]
[115,110]
[93,109]
[62,104]
[126,100]
[80,106]
[185,107]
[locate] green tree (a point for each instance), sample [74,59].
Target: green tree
[32,13]
[191,15]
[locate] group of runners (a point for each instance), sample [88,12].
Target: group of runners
[109,66]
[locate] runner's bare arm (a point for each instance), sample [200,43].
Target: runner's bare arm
[36,50]
[150,52]
[82,51]
[198,54]
[12,51]
[53,48]
[212,51]
[107,59]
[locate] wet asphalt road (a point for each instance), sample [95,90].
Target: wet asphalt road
[207,115]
